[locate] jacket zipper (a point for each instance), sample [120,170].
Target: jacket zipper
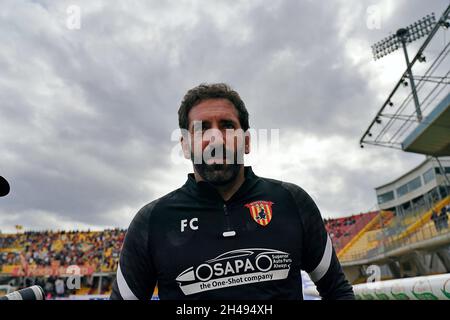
[228,231]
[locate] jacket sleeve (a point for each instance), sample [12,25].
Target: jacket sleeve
[319,258]
[136,275]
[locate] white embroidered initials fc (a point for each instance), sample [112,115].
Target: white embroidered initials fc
[192,226]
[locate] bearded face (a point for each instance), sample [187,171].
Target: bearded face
[217,142]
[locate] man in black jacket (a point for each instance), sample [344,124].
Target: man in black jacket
[226,233]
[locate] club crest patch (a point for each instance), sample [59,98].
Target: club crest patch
[261,211]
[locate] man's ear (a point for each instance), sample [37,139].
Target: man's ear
[247,142]
[186,147]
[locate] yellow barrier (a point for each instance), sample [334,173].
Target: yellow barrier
[9,268]
[12,249]
[423,220]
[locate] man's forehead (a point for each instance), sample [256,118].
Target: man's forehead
[213,109]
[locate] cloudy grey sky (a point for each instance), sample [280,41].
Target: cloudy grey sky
[87,114]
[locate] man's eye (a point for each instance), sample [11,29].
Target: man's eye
[229,126]
[199,128]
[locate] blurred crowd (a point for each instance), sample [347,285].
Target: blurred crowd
[99,249]
[340,226]
[441,219]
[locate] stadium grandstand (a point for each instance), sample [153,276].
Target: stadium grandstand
[409,235]
[44,257]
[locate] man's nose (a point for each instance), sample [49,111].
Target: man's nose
[216,136]
[217,139]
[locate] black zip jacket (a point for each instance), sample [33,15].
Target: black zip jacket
[194,245]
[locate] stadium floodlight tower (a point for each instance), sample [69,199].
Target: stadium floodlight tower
[409,34]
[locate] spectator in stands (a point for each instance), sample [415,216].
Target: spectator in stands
[435,218]
[443,218]
[49,288]
[59,287]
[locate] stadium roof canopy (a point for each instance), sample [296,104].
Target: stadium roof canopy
[398,124]
[432,135]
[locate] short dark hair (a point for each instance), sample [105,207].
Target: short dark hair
[206,91]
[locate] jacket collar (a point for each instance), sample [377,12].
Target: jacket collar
[206,190]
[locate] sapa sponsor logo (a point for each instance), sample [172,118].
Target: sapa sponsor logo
[234,268]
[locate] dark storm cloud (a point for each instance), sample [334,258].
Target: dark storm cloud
[62,149]
[292,70]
